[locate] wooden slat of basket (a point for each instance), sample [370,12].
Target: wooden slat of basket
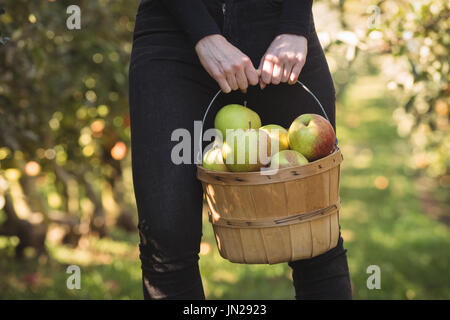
[216,198]
[301,244]
[270,202]
[253,251]
[306,195]
[334,196]
[320,228]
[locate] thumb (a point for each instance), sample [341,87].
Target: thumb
[262,85]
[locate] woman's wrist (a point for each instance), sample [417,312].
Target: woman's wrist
[212,39]
[294,35]
[294,29]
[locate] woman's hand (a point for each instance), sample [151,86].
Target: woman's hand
[226,64]
[283,60]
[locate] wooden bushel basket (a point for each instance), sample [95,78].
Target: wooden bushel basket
[287,216]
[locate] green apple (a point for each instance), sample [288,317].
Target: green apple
[278,137]
[241,150]
[287,158]
[312,135]
[213,160]
[235,116]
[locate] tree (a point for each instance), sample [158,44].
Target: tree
[64,110]
[417,35]
[413,40]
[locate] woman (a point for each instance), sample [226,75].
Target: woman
[183,52]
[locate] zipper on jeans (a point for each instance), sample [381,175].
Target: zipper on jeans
[226,30]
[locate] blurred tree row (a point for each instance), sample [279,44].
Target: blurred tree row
[63,117]
[411,41]
[417,36]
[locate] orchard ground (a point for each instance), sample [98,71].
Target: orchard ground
[382,219]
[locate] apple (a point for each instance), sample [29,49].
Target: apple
[287,158]
[236,116]
[241,150]
[278,137]
[213,160]
[312,135]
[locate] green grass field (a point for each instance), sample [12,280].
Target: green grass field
[381,218]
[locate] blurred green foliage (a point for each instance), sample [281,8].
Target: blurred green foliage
[413,37]
[417,35]
[64,103]
[55,82]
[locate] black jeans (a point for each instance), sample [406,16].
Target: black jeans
[169,89]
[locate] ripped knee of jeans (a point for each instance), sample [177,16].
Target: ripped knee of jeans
[161,254]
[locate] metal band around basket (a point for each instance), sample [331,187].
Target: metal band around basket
[265,223]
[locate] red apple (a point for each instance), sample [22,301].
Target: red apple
[312,135]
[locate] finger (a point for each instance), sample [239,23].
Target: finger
[259,70]
[267,70]
[231,79]
[223,84]
[262,85]
[252,75]
[261,62]
[277,72]
[241,79]
[219,76]
[293,77]
[286,72]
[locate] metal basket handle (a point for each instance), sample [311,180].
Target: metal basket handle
[199,154]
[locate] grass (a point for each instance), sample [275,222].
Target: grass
[109,270]
[381,218]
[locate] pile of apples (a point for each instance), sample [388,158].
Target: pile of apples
[310,137]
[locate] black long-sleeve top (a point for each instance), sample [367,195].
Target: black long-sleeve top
[196,20]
